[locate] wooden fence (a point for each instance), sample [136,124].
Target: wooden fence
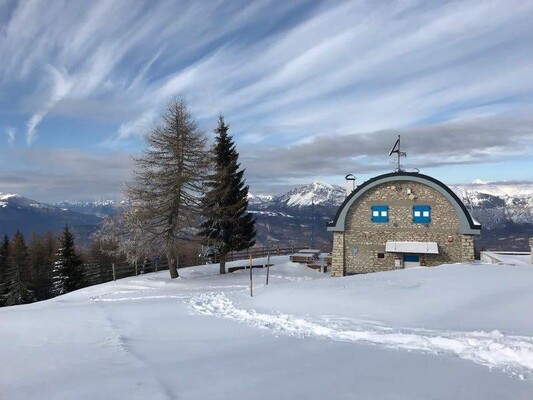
[257,252]
[96,272]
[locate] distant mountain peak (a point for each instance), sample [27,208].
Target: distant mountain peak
[480,182]
[320,184]
[99,208]
[6,196]
[259,199]
[317,193]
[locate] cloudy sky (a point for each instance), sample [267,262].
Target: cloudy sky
[313,90]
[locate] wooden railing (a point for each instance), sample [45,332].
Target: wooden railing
[96,272]
[257,252]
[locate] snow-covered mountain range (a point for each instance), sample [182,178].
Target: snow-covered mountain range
[497,204]
[504,210]
[506,202]
[20,213]
[258,199]
[491,204]
[316,193]
[100,208]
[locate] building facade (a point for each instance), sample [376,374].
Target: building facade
[399,220]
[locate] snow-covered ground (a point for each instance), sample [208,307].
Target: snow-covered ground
[454,331]
[509,258]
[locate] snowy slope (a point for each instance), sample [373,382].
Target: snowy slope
[455,331]
[497,204]
[317,193]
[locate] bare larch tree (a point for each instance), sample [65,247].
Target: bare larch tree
[169,179]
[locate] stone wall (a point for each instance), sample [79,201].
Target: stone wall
[468,248]
[363,241]
[337,256]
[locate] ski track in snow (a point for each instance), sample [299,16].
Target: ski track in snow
[154,386]
[492,349]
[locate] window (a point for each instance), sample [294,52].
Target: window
[381,255]
[380,214]
[421,214]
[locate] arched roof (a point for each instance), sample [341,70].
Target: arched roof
[466,224]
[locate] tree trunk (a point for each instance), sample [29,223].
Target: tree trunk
[222,264]
[172,266]
[172,252]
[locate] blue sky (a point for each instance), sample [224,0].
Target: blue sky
[312,90]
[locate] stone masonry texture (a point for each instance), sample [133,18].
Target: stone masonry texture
[356,250]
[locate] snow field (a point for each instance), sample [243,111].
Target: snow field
[492,349]
[456,331]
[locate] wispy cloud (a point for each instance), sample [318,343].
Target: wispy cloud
[59,88]
[102,57]
[290,76]
[10,133]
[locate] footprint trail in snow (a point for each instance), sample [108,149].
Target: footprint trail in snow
[492,349]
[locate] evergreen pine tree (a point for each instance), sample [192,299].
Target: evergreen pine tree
[228,226]
[67,274]
[4,260]
[42,262]
[18,273]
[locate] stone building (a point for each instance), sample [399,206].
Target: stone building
[398,220]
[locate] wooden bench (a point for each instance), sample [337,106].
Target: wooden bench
[233,269]
[302,258]
[314,252]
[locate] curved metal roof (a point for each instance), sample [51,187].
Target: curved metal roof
[466,224]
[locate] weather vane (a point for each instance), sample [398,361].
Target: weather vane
[400,154]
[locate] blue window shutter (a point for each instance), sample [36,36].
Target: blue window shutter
[421,214]
[380,213]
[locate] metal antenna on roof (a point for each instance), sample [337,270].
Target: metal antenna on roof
[399,153]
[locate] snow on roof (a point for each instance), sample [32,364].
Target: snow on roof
[412,247]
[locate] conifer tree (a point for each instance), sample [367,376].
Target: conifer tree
[227,226]
[168,182]
[42,252]
[4,260]
[67,273]
[18,273]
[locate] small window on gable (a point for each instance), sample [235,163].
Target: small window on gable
[421,214]
[380,214]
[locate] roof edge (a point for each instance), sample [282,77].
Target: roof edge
[467,224]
